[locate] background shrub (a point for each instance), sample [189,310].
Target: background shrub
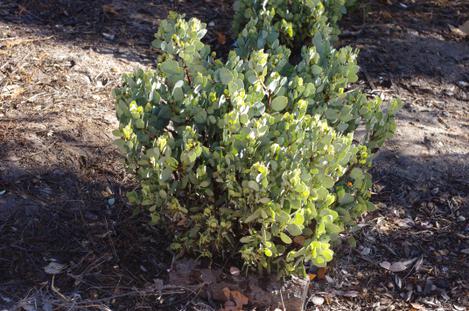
[254,157]
[297,21]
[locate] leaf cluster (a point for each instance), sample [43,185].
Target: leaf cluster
[253,157]
[296,21]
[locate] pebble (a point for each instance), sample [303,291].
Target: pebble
[318,301]
[111,201]
[463,84]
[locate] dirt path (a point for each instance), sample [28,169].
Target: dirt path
[64,182]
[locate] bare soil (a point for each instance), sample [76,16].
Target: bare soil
[62,184]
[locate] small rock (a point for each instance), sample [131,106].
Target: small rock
[211,24]
[463,84]
[318,301]
[460,218]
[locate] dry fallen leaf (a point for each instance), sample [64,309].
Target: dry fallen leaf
[397,266]
[459,308]
[417,306]
[418,264]
[239,298]
[318,300]
[311,276]
[385,264]
[221,38]
[109,9]
[54,268]
[234,296]
[386,15]
[227,293]
[464,28]
[322,273]
[300,240]
[234,271]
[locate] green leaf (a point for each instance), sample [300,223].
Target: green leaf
[299,219]
[253,185]
[267,252]
[294,229]
[248,154]
[246,239]
[178,93]
[285,238]
[279,103]
[225,76]
[172,70]
[132,196]
[204,184]
[252,217]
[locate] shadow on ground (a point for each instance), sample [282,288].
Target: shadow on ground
[123,28]
[410,40]
[421,223]
[54,215]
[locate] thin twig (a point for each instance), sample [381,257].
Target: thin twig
[368,79]
[55,290]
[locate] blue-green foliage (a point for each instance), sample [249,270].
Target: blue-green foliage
[255,156]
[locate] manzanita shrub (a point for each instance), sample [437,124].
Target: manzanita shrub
[253,157]
[297,21]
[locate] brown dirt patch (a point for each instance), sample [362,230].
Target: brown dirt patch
[65,185]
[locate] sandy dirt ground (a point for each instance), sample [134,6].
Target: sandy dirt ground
[62,183]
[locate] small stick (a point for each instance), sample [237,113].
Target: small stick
[367,77]
[283,303]
[55,290]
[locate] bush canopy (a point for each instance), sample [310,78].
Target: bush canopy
[257,157]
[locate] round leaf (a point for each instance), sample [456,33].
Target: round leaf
[279,103]
[225,76]
[285,238]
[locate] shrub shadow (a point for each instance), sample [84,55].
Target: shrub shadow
[123,28]
[52,214]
